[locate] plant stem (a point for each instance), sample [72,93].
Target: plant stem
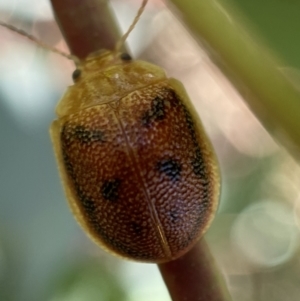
[250,66]
[194,276]
[86,25]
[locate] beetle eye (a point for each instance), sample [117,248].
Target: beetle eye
[76,74]
[125,57]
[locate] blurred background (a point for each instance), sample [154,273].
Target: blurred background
[44,255]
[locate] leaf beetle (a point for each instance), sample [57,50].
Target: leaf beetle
[139,172]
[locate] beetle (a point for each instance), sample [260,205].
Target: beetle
[138,169]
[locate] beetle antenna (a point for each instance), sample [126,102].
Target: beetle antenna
[136,19]
[40,43]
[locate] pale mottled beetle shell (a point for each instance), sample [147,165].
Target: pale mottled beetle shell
[138,169]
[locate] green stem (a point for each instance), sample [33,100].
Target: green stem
[249,65]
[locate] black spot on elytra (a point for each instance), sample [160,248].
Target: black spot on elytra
[88,205]
[110,190]
[65,143]
[76,74]
[125,57]
[198,164]
[173,97]
[156,112]
[137,229]
[190,124]
[86,136]
[68,165]
[174,216]
[171,168]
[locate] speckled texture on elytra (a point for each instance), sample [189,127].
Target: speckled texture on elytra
[140,173]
